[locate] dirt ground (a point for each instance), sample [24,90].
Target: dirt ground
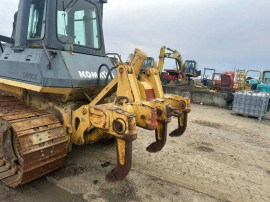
[221,157]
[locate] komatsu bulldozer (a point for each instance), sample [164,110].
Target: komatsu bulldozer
[58,89]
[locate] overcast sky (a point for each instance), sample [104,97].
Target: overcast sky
[221,34]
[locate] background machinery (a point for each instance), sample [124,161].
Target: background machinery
[58,89]
[260,84]
[216,79]
[227,81]
[239,81]
[254,99]
[207,79]
[265,82]
[244,80]
[149,62]
[190,68]
[182,72]
[250,83]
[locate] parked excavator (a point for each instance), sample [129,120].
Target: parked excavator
[182,71]
[58,89]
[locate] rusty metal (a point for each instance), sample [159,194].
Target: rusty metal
[161,138]
[119,126]
[32,142]
[182,126]
[119,100]
[88,97]
[7,147]
[150,94]
[121,170]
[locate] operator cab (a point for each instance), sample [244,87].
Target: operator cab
[266,77]
[149,62]
[58,44]
[67,25]
[190,68]
[77,24]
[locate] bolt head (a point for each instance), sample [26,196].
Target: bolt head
[121,70]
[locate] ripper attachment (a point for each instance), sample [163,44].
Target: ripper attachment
[182,125]
[139,101]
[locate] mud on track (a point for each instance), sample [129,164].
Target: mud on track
[220,158]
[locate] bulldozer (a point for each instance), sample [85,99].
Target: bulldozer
[58,89]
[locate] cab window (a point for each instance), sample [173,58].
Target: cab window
[77,23]
[37,17]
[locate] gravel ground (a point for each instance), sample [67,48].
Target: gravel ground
[221,157]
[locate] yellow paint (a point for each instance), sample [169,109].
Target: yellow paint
[142,87]
[12,89]
[36,88]
[182,118]
[84,123]
[153,78]
[239,79]
[159,130]
[245,85]
[174,101]
[121,145]
[137,61]
[99,117]
[94,136]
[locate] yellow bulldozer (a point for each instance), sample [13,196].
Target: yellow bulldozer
[58,89]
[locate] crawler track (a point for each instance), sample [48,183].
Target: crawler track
[32,142]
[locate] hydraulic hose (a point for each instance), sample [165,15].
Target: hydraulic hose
[99,69]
